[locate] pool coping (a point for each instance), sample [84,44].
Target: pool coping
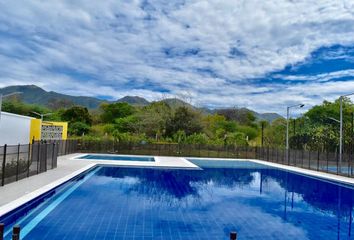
[310,173]
[79,157]
[160,161]
[36,193]
[42,190]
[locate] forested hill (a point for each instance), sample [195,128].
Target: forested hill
[33,94]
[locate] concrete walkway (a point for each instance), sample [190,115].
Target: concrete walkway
[20,188]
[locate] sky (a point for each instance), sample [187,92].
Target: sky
[264,55]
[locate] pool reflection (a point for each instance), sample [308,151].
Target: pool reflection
[305,203]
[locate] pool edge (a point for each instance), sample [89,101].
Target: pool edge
[5,209]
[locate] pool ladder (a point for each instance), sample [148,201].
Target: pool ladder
[15,232]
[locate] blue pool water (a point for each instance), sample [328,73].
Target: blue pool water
[116,158]
[145,203]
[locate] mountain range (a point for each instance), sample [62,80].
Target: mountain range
[33,94]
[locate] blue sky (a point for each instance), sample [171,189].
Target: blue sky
[263,55]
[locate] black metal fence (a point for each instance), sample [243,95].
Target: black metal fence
[24,160]
[314,160]
[21,161]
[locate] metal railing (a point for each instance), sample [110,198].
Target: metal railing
[21,161]
[314,160]
[25,160]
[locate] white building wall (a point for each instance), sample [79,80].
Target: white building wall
[14,129]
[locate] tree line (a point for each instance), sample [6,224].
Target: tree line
[158,122]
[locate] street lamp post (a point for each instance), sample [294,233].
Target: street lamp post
[287,128]
[4,96]
[42,115]
[341,130]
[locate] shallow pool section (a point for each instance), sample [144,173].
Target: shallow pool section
[146,203]
[113,157]
[226,163]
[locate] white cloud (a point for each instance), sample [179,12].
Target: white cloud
[118,48]
[319,77]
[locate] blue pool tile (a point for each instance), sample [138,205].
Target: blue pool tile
[258,203]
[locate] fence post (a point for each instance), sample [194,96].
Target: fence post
[28,159]
[2,227]
[18,161]
[3,166]
[337,159]
[53,152]
[318,160]
[267,153]
[327,159]
[16,232]
[45,157]
[233,235]
[255,152]
[38,157]
[309,159]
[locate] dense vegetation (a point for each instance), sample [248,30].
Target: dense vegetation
[160,122]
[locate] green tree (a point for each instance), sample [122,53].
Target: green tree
[274,135]
[236,138]
[112,111]
[250,132]
[197,138]
[126,124]
[18,107]
[179,136]
[152,119]
[78,128]
[77,114]
[185,120]
[318,131]
[216,126]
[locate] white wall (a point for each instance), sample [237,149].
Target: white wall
[14,129]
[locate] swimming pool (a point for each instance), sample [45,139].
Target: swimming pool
[113,157]
[150,203]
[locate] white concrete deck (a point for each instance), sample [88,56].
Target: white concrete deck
[15,194]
